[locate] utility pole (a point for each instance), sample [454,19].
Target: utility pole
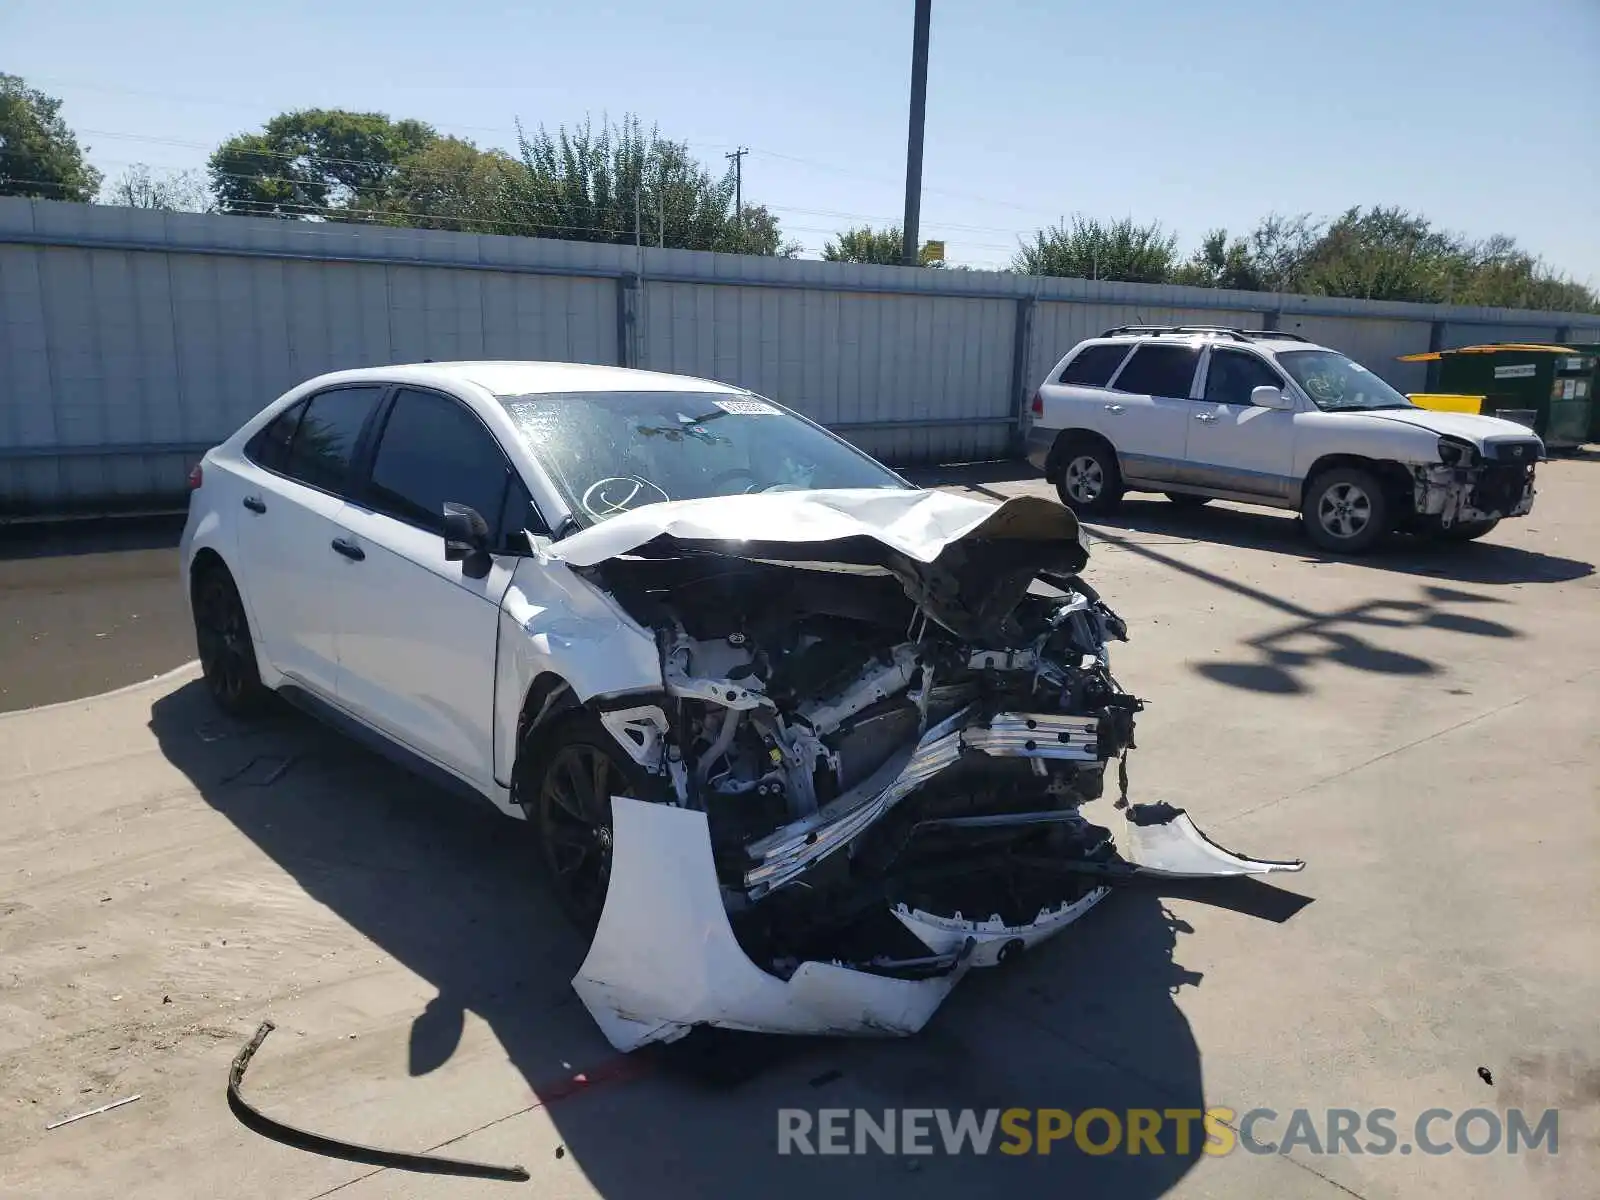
[661,220]
[738,190]
[910,244]
[637,233]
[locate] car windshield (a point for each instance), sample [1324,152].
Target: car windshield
[609,452]
[1338,384]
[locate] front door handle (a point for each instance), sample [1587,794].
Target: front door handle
[349,549]
[255,504]
[1206,417]
[1113,408]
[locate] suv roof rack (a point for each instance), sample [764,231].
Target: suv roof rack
[1242,335]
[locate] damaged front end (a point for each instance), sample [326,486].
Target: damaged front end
[1469,485]
[873,744]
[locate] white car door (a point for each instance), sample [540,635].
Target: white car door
[293,477]
[1147,410]
[1233,445]
[417,649]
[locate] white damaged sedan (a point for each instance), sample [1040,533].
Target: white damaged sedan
[799,743]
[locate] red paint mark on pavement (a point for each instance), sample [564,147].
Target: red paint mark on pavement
[622,1069]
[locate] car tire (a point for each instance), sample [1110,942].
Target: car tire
[1185,500]
[1088,479]
[226,648]
[1465,531]
[566,793]
[1345,510]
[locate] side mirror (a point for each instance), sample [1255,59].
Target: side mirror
[466,539]
[1267,396]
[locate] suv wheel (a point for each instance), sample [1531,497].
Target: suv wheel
[1345,510]
[1088,480]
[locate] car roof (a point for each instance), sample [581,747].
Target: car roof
[1270,345]
[510,377]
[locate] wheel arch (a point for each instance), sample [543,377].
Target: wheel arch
[202,562]
[1393,475]
[1069,438]
[548,697]
[206,559]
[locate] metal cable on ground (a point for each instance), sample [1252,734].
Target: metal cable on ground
[302,1139]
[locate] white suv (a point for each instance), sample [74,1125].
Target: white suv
[1269,418]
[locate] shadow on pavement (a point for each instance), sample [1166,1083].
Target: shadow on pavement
[1088,1021]
[1310,636]
[1279,531]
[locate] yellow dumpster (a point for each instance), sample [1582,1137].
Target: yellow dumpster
[1447,402]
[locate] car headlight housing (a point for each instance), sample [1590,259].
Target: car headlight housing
[1457,452]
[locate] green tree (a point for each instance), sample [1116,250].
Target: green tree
[1094,249]
[864,244]
[140,187]
[1220,262]
[319,163]
[449,184]
[1381,254]
[620,182]
[762,235]
[39,155]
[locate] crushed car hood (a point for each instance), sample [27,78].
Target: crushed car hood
[966,562]
[1469,426]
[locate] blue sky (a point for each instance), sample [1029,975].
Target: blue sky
[1483,114]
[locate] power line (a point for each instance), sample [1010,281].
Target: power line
[335,216]
[258,106]
[758,151]
[404,169]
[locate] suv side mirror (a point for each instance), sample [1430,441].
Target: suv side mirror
[466,539]
[1267,396]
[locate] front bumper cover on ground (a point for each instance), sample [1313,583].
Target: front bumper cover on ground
[664,957]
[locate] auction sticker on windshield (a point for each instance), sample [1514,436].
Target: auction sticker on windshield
[742,407]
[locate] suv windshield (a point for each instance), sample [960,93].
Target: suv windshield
[609,452]
[1338,384]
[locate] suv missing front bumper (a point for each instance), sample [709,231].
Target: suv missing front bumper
[1470,494]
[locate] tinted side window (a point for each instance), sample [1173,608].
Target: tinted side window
[1093,365]
[1233,375]
[1157,370]
[270,446]
[433,450]
[326,437]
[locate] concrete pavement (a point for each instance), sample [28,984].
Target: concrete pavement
[1421,726]
[85,608]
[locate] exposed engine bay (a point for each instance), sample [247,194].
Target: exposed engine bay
[870,768]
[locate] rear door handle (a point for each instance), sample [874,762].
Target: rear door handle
[349,549]
[1113,408]
[1206,417]
[255,504]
